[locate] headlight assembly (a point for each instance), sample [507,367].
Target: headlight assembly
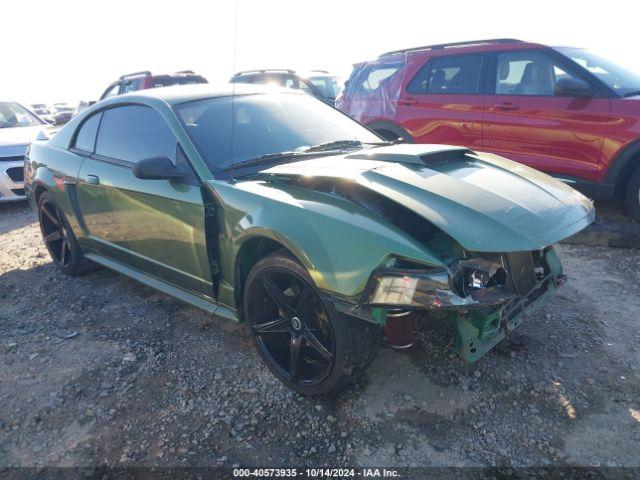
[473,286]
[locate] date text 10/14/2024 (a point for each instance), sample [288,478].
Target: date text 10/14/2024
[315,473]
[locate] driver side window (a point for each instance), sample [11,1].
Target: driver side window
[527,73]
[134,132]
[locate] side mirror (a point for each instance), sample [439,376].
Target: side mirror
[157,168]
[572,87]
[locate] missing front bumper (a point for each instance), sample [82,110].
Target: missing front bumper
[480,319]
[478,331]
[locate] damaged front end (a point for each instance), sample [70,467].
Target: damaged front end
[484,227]
[485,296]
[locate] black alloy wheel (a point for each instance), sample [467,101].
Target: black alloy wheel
[302,339]
[291,327]
[59,238]
[54,234]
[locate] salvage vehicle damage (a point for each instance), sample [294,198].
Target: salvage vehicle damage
[303,224]
[485,295]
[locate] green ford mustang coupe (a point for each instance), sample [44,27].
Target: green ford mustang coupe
[272,208]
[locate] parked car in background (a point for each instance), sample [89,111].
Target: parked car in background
[318,83]
[299,221]
[565,111]
[62,113]
[18,127]
[82,105]
[145,80]
[43,112]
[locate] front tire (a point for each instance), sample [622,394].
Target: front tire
[59,238]
[633,195]
[305,342]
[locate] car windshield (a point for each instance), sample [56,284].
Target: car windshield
[620,79]
[328,86]
[230,130]
[15,115]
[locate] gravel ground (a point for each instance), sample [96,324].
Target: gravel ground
[99,370]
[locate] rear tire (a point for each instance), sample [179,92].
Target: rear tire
[633,195]
[306,343]
[59,238]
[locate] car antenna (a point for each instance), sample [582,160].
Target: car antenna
[233,85]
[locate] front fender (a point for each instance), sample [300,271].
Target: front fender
[338,242]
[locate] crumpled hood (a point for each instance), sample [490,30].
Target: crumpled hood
[485,202]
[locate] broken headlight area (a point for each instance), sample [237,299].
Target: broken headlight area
[436,288]
[484,295]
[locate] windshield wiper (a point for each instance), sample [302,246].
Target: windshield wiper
[269,157]
[335,145]
[342,144]
[307,152]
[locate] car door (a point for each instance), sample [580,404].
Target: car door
[155,226]
[526,121]
[443,101]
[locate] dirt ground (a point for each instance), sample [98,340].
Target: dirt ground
[99,370]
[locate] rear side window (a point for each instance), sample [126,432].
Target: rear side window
[86,137]
[133,133]
[453,75]
[374,76]
[294,82]
[167,80]
[111,91]
[130,86]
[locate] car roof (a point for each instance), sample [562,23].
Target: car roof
[463,47]
[187,93]
[283,71]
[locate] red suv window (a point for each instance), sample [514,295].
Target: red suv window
[457,75]
[374,76]
[527,73]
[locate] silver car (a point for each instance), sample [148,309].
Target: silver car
[18,127]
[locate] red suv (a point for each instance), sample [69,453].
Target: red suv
[563,110]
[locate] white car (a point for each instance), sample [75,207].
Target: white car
[18,127]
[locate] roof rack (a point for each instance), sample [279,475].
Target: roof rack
[186,71]
[265,70]
[135,74]
[319,71]
[454,44]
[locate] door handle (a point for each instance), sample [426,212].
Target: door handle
[408,101]
[506,106]
[92,179]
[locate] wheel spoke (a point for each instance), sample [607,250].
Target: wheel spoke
[295,346]
[58,216]
[53,218]
[281,325]
[63,251]
[276,294]
[316,345]
[53,236]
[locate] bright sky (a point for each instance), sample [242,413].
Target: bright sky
[67,50]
